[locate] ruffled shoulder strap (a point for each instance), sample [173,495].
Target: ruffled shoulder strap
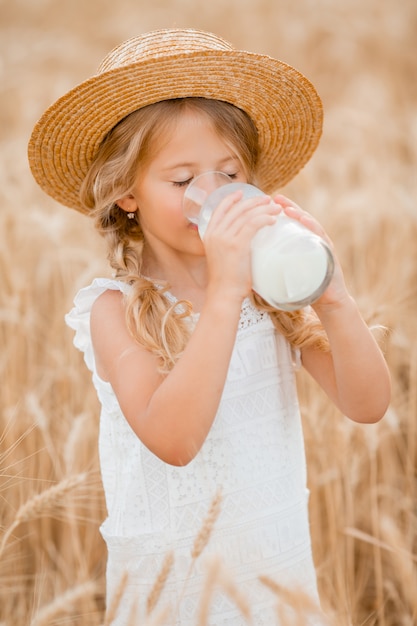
[79,317]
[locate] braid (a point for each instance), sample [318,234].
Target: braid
[301,328]
[158,324]
[152,319]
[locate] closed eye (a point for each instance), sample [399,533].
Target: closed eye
[181,183]
[184,183]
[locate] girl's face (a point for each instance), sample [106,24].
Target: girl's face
[191,148]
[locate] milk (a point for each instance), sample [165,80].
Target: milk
[285,279]
[291,265]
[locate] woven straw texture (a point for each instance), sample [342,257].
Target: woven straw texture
[169,64]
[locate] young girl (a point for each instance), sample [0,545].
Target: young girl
[194,372]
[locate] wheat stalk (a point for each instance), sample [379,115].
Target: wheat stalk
[159,619]
[226,581]
[76,434]
[303,605]
[375,80]
[202,538]
[38,505]
[212,576]
[218,575]
[116,599]
[159,584]
[64,603]
[133,614]
[366,537]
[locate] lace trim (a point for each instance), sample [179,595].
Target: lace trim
[250,315]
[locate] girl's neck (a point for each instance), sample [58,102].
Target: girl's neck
[186,277]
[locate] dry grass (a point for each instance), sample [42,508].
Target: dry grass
[361,184]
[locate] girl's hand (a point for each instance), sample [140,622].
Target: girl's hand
[228,237]
[353,372]
[336,294]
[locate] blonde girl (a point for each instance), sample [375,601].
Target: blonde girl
[194,372]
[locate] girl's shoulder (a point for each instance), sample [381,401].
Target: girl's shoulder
[86,297]
[79,316]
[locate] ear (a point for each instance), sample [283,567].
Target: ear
[127,203]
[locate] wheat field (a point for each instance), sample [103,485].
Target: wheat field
[361,184]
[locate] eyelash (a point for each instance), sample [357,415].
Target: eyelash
[181,183]
[184,183]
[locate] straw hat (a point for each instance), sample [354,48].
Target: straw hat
[165,64]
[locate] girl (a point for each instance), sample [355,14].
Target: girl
[194,372]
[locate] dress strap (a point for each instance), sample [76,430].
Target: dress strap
[79,317]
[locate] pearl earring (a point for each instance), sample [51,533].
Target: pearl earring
[131,216]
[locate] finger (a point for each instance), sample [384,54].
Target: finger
[233,209]
[307,220]
[249,218]
[285,202]
[294,211]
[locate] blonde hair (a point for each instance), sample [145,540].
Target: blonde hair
[157,323]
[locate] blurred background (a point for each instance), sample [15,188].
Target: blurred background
[361,184]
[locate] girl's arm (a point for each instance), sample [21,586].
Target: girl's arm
[354,373]
[172,414]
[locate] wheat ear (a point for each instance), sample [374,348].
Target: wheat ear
[64,603]
[203,536]
[39,504]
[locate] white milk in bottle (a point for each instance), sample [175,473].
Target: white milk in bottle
[291,265]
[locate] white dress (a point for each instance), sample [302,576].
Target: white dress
[254,452]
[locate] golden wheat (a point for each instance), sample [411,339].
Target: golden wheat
[227,583]
[116,600]
[294,602]
[217,576]
[205,599]
[361,185]
[205,531]
[64,604]
[44,503]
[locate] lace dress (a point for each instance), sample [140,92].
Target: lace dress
[254,452]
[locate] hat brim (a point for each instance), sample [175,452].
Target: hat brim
[283,104]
